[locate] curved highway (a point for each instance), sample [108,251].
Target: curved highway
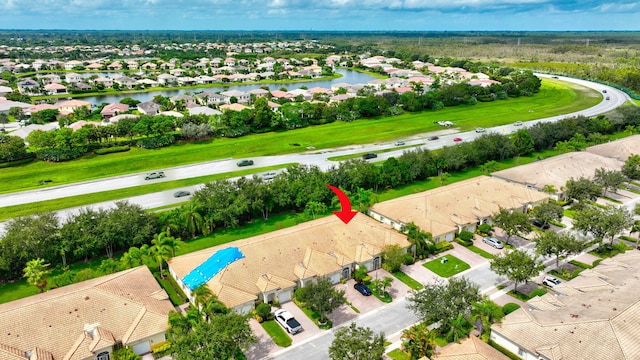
[612,98]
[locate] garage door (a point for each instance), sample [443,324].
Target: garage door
[284,296]
[142,348]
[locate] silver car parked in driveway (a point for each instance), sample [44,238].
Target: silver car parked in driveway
[493,242]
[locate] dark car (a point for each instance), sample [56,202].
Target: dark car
[362,289]
[433,138]
[181,193]
[540,224]
[154,175]
[244,163]
[369,156]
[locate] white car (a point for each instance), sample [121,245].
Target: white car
[268,176]
[517,123]
[288,322]
[480,130]
[550,281]
[399,143]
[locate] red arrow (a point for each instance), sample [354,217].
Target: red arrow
[346,214]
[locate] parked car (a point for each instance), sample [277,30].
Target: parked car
[369,156]
[288,322]
[268,176]
[540,224]
[433,138]
[181,193]
[480,130]
[399,143]
[154,175]
[244,162]
[517,123]
[362,289]
[457,139]
[493,242]
[550,281]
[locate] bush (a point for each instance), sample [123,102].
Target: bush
[508,308]
[443,246]
[408,259]
[484,229]
[156,142]
[16,163]
[263,310]
[537,292]
[300,293]
[464,242]
[111,150]
[465,235]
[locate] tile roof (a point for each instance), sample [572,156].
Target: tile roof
[470,348]
[604,306]
[558,169]
[620,149]
[123,306]
[278,259]
[441,210]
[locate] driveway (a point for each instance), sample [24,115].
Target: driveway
[467,255]
[265,344]
[309,327]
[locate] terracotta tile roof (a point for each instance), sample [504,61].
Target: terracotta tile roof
[55,320]
[440,211]
[558,169]
[605,306]
[620,149]
[470,348]
[282,257]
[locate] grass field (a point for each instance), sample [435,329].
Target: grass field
[275,331]
[554,98]
[446,269]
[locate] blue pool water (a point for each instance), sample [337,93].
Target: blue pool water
[213,265]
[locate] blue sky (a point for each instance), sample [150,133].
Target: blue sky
[418,15]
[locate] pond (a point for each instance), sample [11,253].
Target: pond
[348,76]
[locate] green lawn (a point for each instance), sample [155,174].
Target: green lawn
[448,268]
[397,354]
[408,280]
[553,99]
[275,331]
[480,252]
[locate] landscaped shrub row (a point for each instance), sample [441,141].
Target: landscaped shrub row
[111,150]
[442,246]
[508,308]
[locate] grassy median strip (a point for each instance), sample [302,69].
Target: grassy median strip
[93,198]
[553,99]
[480,252]
[276,333]
[408,280]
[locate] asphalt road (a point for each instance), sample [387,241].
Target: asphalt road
[313,157]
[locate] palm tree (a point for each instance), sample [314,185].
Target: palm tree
[549,189]
[191,218]
[418,341]
[458,329]
[36,272]
[160,251]
[202,294]
[488,313]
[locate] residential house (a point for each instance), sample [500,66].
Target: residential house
[4,90]
[113,109]
[233,107]
[209,98]
[49,78]
[269,267]
[67,107]
[35,108]
[94,66]
[80,86]
[147,83]
[6,105]
[148,66]
[203,110]
[470,348]
[593,316]
[28,86]
[557,170]
[125,82]
[132,65]
[70,65]
[116,65]
[259,92]
[54,88]
[149,108]
[186,99]
[107,82]
[72,77]
[87,320]
[242,96]
[167,79]
[620,149]
[448,210]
